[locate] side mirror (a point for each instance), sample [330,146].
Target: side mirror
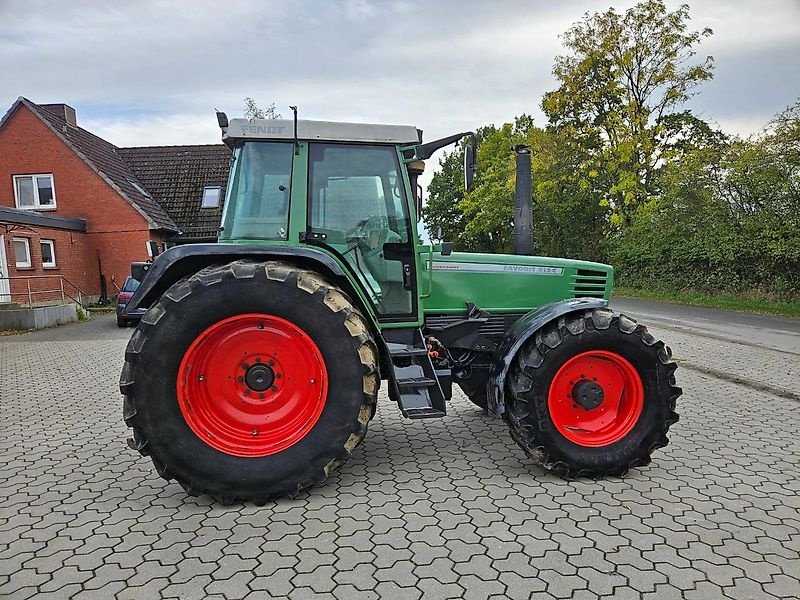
[469,165]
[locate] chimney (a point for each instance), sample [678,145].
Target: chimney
[63,111]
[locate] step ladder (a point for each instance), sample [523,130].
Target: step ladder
[416,387]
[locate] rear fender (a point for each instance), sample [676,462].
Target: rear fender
[180,261]
[521,332]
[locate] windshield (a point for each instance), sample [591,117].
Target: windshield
[130,285]
[258,203]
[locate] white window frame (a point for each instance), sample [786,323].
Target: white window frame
[27,242]
[219,196]
[36,205]
[52,244]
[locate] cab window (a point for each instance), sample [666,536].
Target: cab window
[357,199]
[258,205]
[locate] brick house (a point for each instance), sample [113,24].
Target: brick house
[71,206]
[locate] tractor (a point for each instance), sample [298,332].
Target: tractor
[255,371]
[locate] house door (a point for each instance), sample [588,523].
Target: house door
[5,287]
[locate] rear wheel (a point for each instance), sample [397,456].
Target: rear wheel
[121,322]
[249,381]
[592,394]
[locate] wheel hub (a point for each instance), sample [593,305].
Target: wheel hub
[589,394]
[596,398]
[252,385]
[259,377]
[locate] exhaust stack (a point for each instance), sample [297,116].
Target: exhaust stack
[523,209]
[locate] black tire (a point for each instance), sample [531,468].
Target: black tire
[189,307]
[121,322]
[474,388]
[535,367]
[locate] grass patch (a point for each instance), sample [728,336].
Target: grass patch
[7,332]
[726,301]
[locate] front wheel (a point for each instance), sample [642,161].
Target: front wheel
[592,394]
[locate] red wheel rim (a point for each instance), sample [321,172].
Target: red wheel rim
[621,400]
[252,385]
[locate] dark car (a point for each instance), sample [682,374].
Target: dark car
[125,318]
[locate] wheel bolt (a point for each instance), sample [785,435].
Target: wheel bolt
[313,381]
[255,432]
[201,378]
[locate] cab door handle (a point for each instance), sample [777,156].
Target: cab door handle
[407,276]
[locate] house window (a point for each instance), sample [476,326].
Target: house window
[48,253]
[211,197]
[35,192]
[22,252]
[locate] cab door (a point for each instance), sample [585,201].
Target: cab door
[358,208]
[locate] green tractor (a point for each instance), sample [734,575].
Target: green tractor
[255,371]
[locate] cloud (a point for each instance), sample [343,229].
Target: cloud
[151,72]
[170,130]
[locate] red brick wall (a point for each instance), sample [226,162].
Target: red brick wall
[116,232]
[73,262]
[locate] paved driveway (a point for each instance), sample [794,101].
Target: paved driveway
[437,509]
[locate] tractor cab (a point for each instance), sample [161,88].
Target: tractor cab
[340,187]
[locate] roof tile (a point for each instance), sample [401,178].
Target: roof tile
[176,175]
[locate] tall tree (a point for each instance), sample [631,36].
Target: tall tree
[442,212]
[620,94]
[253,111]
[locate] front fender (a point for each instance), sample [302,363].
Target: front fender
[519,333]
[180,261]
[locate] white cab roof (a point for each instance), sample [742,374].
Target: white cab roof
[283,129]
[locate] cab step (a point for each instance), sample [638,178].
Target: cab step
[415,384]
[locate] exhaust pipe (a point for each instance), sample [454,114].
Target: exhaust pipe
[523,209]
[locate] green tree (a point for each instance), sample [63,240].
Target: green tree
[442,211]
[620,91]
[570,217]
[253,111]
[727,218]
[489,206]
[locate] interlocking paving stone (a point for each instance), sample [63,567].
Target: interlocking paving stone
[435,509]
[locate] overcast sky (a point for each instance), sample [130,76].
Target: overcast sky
[151,72]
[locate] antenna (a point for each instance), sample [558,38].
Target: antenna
[296,143]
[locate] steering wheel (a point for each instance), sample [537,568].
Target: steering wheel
[362,230]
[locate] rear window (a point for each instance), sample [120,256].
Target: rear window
[130,285]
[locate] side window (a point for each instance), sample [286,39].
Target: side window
[258,206]
[352,183]
[357,199]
